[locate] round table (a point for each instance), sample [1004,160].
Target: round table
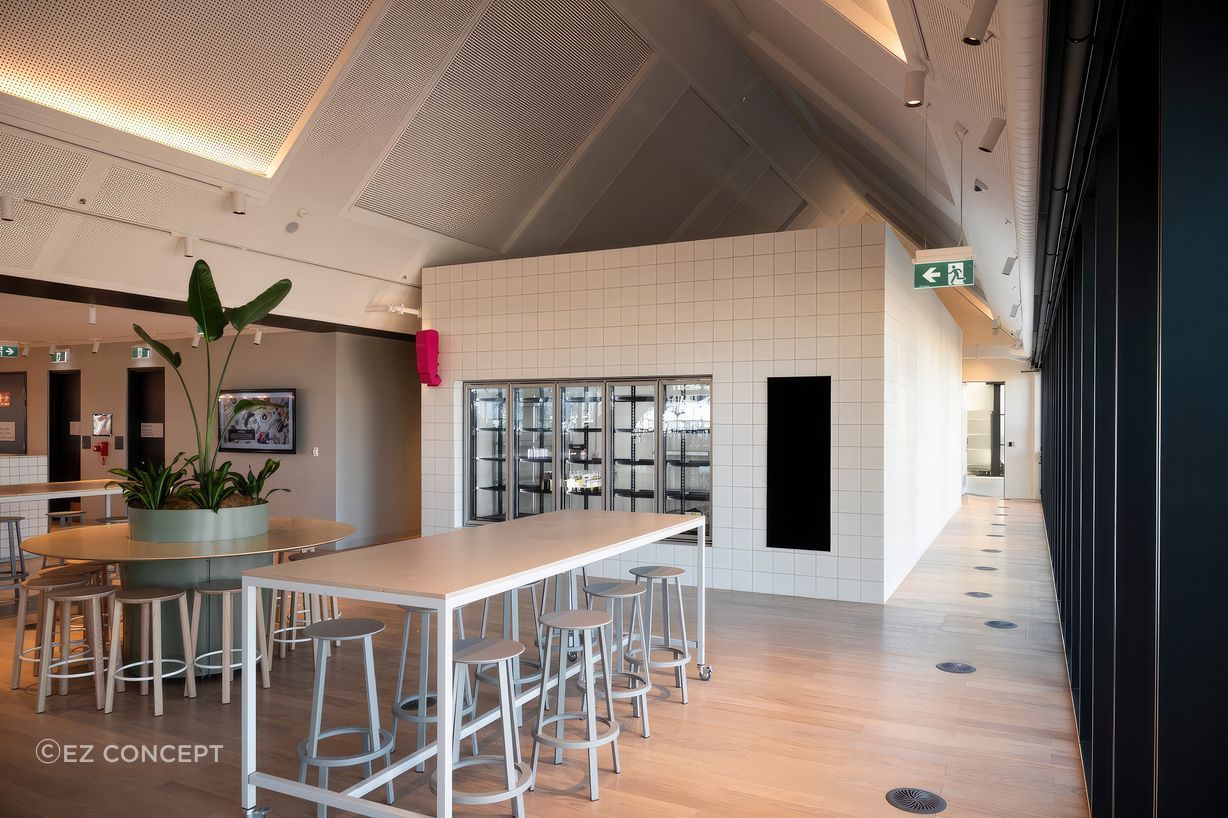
[186,564]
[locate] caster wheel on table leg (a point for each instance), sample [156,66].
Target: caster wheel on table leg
[705,673]
[257,812]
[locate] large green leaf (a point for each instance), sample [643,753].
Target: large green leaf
[260,306]
[203,302]
[172,358]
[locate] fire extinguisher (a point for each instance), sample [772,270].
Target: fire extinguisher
[102,448]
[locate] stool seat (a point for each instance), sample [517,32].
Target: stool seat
[342,629]
[11,519]
[43,582]
[111,520]
[65,515]
[80,593]
[576,620]
[220,586]
[154,593]
[657,571]
[483,651]
[615,590]
[74,569]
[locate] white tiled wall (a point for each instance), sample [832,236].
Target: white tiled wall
[24,469]
[741,309]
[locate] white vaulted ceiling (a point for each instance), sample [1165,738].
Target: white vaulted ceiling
[373,137]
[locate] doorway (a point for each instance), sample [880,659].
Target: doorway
[63,431]
[146,416]
[12,413]
[985,441]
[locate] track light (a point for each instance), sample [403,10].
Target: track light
[196,340]
[993,132]
[977,29]
[52,350]
[96,345]
[93,319]
[189,246]
[914,88]
[1014,310]
[25,351]
[994,326]
[259,337]
[1009,265]
[238,203]
[7,204]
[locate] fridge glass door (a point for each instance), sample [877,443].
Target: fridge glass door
[686,424]
[533,467]
[633,438]
[487,494]
[580,419]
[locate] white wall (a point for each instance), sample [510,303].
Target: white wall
[923,407]
[808,302]
[1022,394]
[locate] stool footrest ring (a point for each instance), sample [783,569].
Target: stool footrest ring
[385,747]
[119,674]
[524,780]
[605,736]
[234,664]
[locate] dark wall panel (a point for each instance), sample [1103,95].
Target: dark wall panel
[799,463]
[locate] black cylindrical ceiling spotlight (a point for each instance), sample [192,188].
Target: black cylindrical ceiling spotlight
[993,132]
[914,88]
[978,23]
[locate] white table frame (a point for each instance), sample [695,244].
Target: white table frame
[105,493]
[352,798]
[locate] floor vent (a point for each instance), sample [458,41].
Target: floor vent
[1001,624]
[986,568]
[918,802]
[1001,524]
[991,550]
[977,594]
[995,535]
[955,667]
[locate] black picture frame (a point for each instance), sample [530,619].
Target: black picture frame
[261,431]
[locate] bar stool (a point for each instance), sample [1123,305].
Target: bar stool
[90,597]
[413,708]
[584,624]
[227,590]
[639,682]
[500,654]
[66,518]
[377,741]
[17,557]
[680,652]
[511,630]
[150,601]
[111,520]
[40,585]
[295,610]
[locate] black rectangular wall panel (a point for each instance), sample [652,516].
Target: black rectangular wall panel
[799,463]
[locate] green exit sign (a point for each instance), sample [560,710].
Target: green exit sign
[140,353]
[60,356]
[7,351]
[950,273]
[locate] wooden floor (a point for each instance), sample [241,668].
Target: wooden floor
[816,709]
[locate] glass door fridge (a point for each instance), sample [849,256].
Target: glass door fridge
[633,438]
[487,455]
[533,444]
[581,412]
[686,426]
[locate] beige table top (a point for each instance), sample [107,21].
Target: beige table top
[110,543]
[467,562]
[55,491]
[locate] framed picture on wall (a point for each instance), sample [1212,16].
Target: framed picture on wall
[268,425]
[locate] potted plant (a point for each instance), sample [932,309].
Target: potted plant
[203,499]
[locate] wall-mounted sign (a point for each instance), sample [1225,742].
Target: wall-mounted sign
[6,399]
[74,428]
[140,353]
[8,431]
[942,274]
[7,351]
[151,430]
[102,424]
[60,356]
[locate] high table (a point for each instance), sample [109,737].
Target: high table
[442,573]
[61,491]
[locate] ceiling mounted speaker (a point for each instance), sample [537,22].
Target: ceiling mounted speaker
[914,89]
[993,132]
[978,22]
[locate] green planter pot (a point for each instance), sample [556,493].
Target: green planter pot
[198,525]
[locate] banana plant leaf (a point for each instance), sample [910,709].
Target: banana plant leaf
[204,304]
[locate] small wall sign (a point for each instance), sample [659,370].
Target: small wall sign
[8,351]
[8,431]
[60,356]
[141,353]
[151,430]
[6,399]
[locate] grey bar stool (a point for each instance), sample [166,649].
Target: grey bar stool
[90,597]
[376,741]
[500,654]
[66,518]
[414,707]
[227,590]
[584,624]
[150,601]
[679,651]
[17,557]
[39,585]
[627,665]
[511,630]
[293,611]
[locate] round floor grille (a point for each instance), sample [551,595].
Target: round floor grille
[986,568]
[1001,624]
[992,550]
[978,594]
[916,801]
[955,667]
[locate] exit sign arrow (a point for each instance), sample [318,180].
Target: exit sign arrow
[931,275]
[8,351]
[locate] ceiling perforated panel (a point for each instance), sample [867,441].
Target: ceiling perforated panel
[145,197]
[29,168]
[529,84]
[223,80]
